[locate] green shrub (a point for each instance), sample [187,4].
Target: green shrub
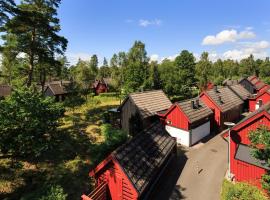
[241,191]
[54,192]
[176,98]
[109,94]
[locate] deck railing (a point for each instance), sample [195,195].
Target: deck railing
[99,193]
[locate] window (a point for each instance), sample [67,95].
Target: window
[169,122]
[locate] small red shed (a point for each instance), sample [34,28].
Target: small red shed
[132,171]
[225,104]
[100,86]
[5,90]
[188,121]
[256,101]
[244,166]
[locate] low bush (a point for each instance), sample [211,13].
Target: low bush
[109,94]
[241,191]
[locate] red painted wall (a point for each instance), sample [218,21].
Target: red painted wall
[119,185]
[101,88]
[216,122]
[252,102]
[244,171]
[177,118]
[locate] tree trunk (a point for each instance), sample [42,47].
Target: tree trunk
[30,72]
[43,79]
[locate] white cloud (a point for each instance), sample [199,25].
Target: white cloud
[258,49]
[74,57]
[146,23]
[226,36]
[154,57]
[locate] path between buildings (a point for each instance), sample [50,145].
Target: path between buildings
[197,174]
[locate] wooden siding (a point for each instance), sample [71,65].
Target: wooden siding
[101,88]
[244,171]
[215,122]
[177,118]
[252,102]
[128,111]
[119,186]
[246,84]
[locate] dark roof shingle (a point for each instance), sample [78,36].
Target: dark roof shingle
[195,114]
[150,102]
[242,92]
[244,153]
[142,157]
[229,99]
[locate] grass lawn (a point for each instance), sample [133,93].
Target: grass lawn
[79,145]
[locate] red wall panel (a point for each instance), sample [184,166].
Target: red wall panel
[244,171]
[177,118]
[214,108]
[252,102]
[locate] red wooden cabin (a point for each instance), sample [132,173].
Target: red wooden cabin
[244,166]
[210,86]
[225,104]
[100,86]
[258,100]
[188,121]
[242,93]
[132,171]
[259,85]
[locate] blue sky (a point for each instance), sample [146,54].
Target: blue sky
[104,27]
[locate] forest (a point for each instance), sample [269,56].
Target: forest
[33,53]
[47,147]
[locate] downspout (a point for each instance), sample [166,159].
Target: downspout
[190,137]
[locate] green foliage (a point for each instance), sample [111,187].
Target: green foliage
[35,26]
[202,70]
[261,137]
[109,94]
[54,192]
[28,122]
[241,191]
[113,139]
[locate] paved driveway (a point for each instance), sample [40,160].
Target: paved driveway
[196,175]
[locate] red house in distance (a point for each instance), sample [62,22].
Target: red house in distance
[226,105]
[258,100]
[244,166]
[100,86]
[133,169]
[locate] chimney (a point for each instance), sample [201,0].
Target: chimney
[61,82]
[192,104]
[260,103]
[215,88]
[219,99]
[197,103]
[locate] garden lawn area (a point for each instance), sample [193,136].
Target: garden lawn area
[82,141]
[241,191]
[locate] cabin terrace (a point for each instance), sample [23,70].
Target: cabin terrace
[140,109]
[188,121]
[225,104]
[244,166]
[132,171]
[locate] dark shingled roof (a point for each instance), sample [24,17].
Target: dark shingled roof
[57,88]
[197,113]
[149,103]
[142,157]
[5,90]
[252,77]
[244,153]
[242,92]
[229,99]
[260,85]
[229,82]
